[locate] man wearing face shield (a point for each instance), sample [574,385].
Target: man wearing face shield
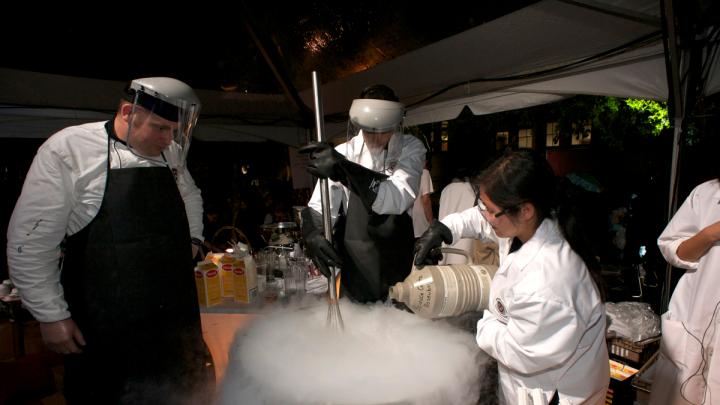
[115,201]
[375,177]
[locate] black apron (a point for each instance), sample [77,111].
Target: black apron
[128,280]
[377,251]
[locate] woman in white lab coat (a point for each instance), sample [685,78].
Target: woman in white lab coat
[545,324]
[687,372]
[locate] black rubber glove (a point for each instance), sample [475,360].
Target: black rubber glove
[318,248]
[323,160]
[361,181]
[326,162]
[427,247]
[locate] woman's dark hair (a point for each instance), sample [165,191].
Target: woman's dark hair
[522,176]
[379,92]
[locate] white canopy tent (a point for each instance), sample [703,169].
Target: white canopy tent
[540,54]
[36,105]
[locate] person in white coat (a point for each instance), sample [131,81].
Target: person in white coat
[687,371]
[375,177]
[457,197]
[545,324]
[116,203]
[422,213]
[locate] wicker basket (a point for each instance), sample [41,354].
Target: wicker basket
[227,236]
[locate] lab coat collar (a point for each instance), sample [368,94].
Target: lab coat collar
[110,128]
[394,150]
[547,231]
[716,195]
[359,154]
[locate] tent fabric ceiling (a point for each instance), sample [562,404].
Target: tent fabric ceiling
[59,101]
[539,54]
[641,76]
[50,90]
[539,38]
[19,122]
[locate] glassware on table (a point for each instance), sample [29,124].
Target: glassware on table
[261,266]
[296,276]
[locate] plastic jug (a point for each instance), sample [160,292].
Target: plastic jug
[442,291]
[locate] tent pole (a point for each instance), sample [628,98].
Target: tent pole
[672,207]
[676,104]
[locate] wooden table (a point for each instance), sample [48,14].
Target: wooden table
[221,322]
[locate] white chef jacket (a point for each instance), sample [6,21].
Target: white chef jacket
[692,315]
[456,197]
[402,161]
[546,321]
[62,193]
[420,221]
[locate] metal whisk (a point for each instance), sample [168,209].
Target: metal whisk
[334,318]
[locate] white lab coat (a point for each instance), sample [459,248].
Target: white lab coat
[456,197]
[402,161]
[62,193]
[420,221]
[546,321]
[692,315]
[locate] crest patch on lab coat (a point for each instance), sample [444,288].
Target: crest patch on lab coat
[500,309]
[392,165]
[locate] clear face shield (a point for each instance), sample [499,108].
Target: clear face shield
[376,121]
[163,115]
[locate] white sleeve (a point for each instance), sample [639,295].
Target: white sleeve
[683,226]
[397,194]
[455,197]
[336,190]
[469,224]
[36,229]
[540,334]
[426,186]
[192,197]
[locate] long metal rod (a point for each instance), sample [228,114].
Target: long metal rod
[320,136]
[334,317]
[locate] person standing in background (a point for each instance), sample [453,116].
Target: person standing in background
[422,213]
[115,201]
[687,371]
[457,196]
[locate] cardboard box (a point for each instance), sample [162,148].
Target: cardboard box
[207,281]
[620,371]
[620,390]
[226,275]
[245,279]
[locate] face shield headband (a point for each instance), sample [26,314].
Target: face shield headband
[160,130]
[376,121]
[156,106]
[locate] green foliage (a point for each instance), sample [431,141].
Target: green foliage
[615,123]
[657,113]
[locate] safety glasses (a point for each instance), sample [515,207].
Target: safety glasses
[489,215]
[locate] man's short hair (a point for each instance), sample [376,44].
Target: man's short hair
[379,92]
